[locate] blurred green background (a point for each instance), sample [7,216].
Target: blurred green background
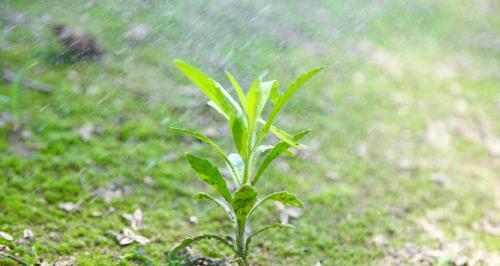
[403,158]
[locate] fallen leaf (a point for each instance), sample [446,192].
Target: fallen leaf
[122,240]
[135,219]
[6,236]
[128,237]
[137,238]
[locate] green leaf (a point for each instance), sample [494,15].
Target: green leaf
[256,100]
[284,197]
[239,131]
[274,93]
[282,135]
[224,206]
[212,144]
[274,153]
[243,201]
[189,241]
[212,89]
[265,228]
[239,90]
[283,99]
[206,171]
[238,164]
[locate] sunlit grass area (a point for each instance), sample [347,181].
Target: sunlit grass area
[403,157]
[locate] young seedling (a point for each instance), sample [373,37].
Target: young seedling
[252,158]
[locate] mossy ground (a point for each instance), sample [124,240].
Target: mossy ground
[398,70]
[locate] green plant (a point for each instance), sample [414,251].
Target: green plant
[252,158]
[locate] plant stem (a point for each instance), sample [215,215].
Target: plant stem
[245,171]
[240,234]
[240,244]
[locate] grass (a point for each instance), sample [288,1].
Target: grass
[395,67]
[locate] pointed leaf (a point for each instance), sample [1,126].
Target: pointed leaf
[239,90]
[282,135]
[212,144]
[239,131]
[243,201]
[256,100]
[274,153]
[224,206]
[212,89]
[206,171]
[283,99]
[284,197]
[274,93]
[237,107]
